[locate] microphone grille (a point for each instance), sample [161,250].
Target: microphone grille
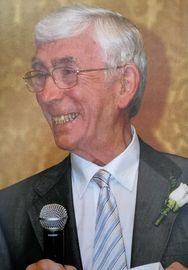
[53,217]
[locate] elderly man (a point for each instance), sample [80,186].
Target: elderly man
[88,75]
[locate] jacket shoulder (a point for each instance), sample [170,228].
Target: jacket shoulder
[165,163]
[24,188]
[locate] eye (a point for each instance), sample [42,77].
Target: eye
[67,71]
[65,74]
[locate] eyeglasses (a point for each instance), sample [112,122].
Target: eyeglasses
[63,77]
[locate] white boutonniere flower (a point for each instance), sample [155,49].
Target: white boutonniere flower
[176,199]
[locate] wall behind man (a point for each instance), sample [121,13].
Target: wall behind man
[26,142]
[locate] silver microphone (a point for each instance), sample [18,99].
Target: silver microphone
[53,218]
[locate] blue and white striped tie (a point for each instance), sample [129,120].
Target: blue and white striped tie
[109,250]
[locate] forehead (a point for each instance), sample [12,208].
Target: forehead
[81,50]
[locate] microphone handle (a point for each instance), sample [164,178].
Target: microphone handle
[54,246]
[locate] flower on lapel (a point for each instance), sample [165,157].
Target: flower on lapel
[176,199]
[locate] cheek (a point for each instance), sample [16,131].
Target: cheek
[97,111]
[100,98]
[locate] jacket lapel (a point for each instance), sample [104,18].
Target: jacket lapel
[55,187]
[149,241]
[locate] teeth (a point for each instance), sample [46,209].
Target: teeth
[65,118]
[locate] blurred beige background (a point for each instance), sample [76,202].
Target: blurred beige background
[26,142]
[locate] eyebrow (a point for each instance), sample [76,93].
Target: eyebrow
[64,60]
[55,62]
[36,62]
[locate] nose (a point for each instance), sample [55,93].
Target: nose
[50,92]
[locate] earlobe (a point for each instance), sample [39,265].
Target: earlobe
[129,85]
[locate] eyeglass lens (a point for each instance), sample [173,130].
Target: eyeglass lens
[62,77]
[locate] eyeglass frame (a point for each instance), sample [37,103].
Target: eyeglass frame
[50,74]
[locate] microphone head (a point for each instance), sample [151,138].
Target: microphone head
[53,217]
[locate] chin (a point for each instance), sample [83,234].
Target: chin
[65,145]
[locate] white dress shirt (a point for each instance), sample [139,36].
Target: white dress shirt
[124,170]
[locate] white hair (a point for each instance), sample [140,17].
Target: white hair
[119,39]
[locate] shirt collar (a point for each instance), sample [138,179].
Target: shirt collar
[123,168]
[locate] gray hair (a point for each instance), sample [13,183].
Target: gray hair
[119,39]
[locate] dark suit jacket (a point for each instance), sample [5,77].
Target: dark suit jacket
[21,234]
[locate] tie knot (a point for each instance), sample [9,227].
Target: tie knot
[102,178]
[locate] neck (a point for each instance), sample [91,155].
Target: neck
[109,148]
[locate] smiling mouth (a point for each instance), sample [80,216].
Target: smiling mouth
[65,118]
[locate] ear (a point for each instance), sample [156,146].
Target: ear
[129,81]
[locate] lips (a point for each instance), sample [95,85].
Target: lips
[65,118]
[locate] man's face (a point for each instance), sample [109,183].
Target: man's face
[83,117]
